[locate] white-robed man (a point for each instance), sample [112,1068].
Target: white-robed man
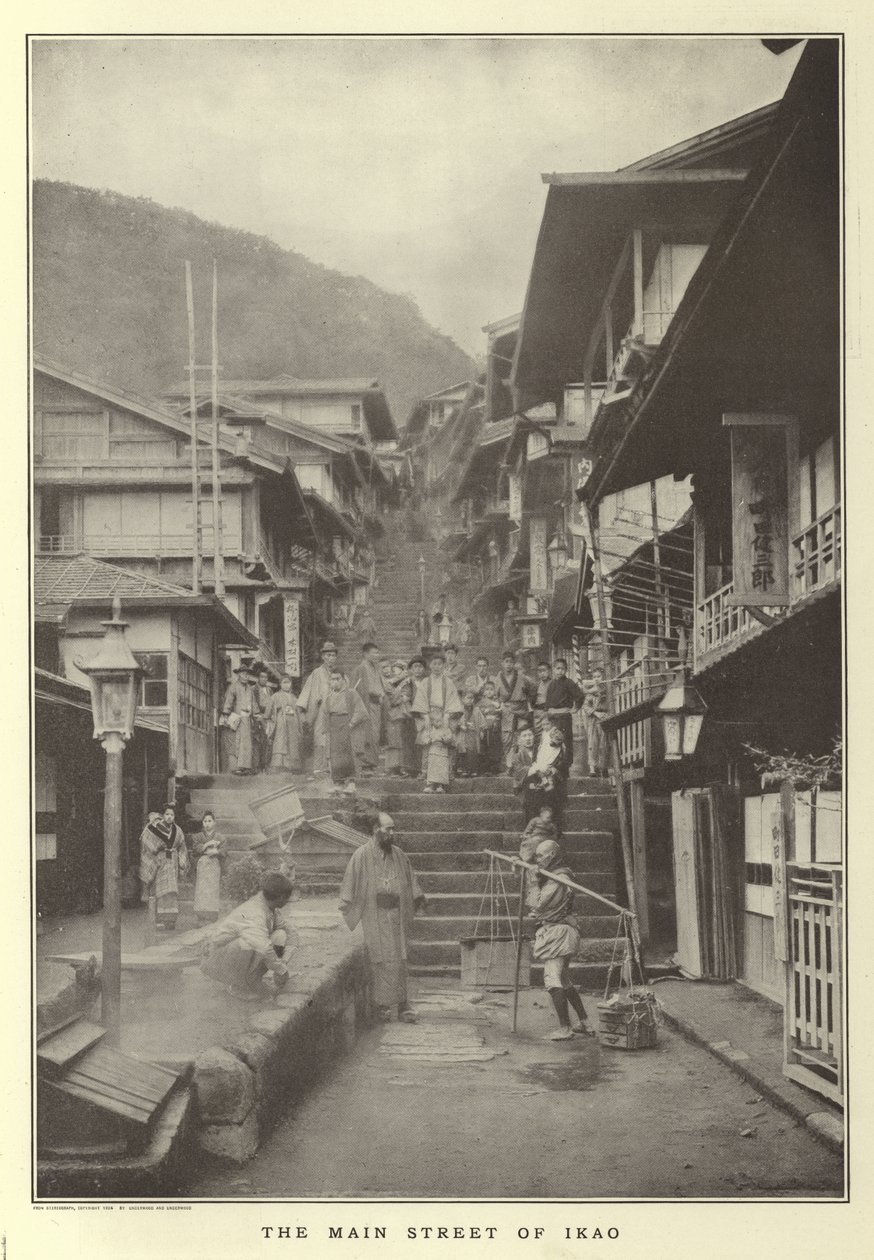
[311,704]
[253,939]
[380,891]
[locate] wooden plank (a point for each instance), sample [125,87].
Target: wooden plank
[152,1090]
[104,1101]
[131,962]
[638,844]
[60,1049]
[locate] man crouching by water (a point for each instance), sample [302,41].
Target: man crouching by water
[557,939]
[381,892]
[252,940]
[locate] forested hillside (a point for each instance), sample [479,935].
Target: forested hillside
[109,301]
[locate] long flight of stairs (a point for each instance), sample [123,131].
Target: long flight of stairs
[445,837]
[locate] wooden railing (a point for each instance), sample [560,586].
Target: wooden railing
[129,544]
[816,554]
[813,1016]
[634,684]
[719,623]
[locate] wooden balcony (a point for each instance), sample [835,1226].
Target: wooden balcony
[638,682]
[816,554]
[815,557]
[131,544]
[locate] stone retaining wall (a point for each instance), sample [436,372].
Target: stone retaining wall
[242,1085]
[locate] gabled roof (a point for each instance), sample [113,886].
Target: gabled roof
[450,389]
[161,413]
[376,407]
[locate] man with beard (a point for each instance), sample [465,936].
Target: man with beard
[381,892]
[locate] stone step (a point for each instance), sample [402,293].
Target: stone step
[490,784]
[437,928]
[573,846]
[589,977]
[458,878]
[448,953]
[453,802]
[470,823]
[467,905]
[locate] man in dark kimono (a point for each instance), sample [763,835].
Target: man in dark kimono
[563,695]
[381,892]
[311,706]
[263,694]
[544,677]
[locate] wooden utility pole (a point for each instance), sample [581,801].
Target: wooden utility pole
[613,739]
[218,558]
[195,483]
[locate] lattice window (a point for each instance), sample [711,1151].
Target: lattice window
[195,694]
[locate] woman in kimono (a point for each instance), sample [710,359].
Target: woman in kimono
[208,848]
[283,726]
[163,856]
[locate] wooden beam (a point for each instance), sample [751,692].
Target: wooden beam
[637,326]
[621,179]
[638,843]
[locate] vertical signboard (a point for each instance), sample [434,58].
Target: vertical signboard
[292,635]
[760,449]
[537,545]
[515,484]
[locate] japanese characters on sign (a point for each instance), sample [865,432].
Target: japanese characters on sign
[292,636]
[537,545]
[760,509]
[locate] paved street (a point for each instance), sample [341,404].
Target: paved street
[458,1107]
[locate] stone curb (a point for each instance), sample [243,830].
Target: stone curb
[825,1126]
[240,1084]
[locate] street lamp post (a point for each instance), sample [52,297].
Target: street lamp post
[421,563]
[113,675]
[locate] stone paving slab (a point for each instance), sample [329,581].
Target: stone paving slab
[745,1031]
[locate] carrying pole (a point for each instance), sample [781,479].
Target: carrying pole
[192,395]
[522,878]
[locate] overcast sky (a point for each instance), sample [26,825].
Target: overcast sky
[413,162]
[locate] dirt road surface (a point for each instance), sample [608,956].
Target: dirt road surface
[458,1107]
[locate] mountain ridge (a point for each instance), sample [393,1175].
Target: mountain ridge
[109,301]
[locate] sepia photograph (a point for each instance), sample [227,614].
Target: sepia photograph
[437,625]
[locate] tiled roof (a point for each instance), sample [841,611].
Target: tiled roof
[58,580]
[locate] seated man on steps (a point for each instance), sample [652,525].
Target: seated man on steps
[557,939]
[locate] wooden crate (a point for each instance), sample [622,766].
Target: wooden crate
[627,1026]
[491,964]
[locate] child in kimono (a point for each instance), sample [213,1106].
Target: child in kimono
[491,746]
[468,738]
[440,743]
[283,729]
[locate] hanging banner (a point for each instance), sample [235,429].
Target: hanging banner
[539,584]
[760,446]
[515,483]
[292,635]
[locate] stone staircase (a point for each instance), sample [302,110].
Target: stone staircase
[445,837]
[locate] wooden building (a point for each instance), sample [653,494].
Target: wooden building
[695,299]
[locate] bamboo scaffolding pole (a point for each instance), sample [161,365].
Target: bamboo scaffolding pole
[613,741]
[522,878]
[192,393]
[218,558]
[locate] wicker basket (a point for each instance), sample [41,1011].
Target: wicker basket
[628,1025]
